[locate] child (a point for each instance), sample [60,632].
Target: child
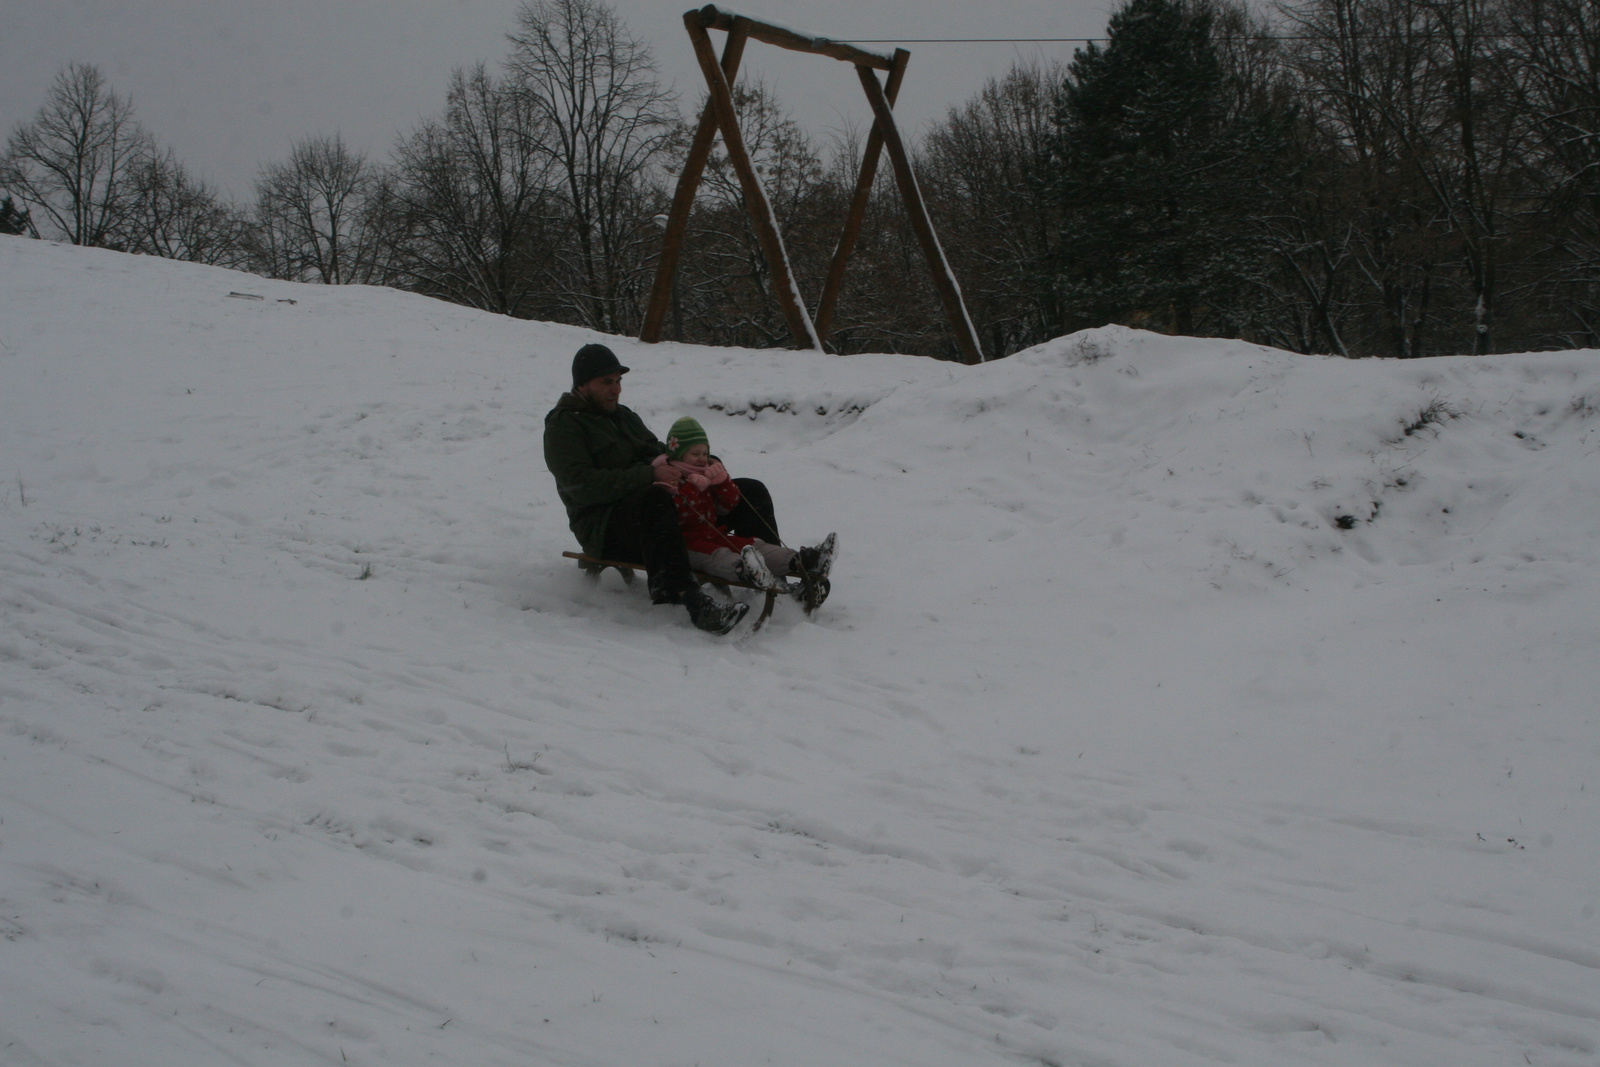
[704,495]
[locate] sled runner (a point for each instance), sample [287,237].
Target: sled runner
[593,567]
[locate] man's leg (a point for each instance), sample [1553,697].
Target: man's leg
[754,516]
[643,528]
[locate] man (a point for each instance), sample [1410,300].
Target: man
[601,455]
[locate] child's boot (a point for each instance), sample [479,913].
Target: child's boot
[815,562]
[812,566]
[752,569]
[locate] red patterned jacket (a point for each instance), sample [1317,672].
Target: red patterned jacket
[701,506]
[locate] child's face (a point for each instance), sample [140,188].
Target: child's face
[697,455]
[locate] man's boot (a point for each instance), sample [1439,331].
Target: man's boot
[711,615]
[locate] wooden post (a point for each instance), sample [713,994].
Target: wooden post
[761,216]
[944,281]
[858,205]
[694,166]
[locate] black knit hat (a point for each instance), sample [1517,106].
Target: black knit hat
[594,361]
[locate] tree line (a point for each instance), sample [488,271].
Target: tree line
[1360,177]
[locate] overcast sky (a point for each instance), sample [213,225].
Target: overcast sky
[230,84]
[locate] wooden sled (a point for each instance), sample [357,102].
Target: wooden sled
[593,566]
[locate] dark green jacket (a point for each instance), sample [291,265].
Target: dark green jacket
[598,458]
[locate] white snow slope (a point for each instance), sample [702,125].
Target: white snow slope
[1112,747]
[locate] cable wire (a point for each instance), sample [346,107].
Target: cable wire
[1250,37]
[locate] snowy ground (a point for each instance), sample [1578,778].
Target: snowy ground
[1175,704]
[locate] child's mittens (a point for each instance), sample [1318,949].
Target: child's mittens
[714,472]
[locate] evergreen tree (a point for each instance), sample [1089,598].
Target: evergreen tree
[1161,164]
[12,220]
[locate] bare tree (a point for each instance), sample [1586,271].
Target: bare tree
[178,217]
[1362,66]
[1416,102]
[724,284]
[1475,169]
[474,192]
[1555,52]
[74,165]
[983,171]
[321,216]
[607,124]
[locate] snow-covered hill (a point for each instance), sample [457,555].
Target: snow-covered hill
[1178,701]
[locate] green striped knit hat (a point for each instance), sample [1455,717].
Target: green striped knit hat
[684,433]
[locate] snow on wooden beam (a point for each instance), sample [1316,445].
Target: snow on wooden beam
[944,279]
[714,18]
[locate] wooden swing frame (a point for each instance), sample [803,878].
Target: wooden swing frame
[720,116]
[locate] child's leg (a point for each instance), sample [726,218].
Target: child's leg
[723,563]
[778,557]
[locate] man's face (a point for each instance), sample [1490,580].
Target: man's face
[602,391]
